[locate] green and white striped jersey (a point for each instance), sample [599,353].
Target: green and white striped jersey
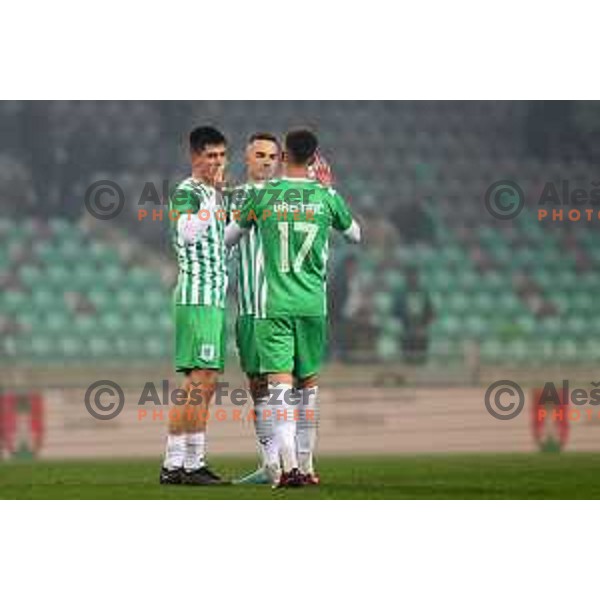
[202,275]
[245,253]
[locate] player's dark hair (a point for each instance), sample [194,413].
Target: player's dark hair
[205,136]
[300,146]
[263,136]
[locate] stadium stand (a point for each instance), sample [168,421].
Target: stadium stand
[417,172]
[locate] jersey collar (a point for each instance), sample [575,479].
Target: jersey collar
[297,179]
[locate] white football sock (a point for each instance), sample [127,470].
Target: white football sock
[195,449]
[306,431]
[175,451]
[265,434]
[284,424]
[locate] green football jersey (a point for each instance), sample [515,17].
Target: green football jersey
[202,275]
[292,219]
[245,255]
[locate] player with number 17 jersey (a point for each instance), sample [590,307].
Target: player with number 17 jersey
[292,219]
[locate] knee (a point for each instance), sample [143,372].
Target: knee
[308,382]
[259,386]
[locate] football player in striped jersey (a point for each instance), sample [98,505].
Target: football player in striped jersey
[199,305]
[263,158]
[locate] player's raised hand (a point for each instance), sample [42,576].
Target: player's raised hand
[321,170]
[219,177]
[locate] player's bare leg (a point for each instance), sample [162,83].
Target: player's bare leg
[307,427]
[282,402]
[172,469]
[186,442]
[202,385]
[269,468]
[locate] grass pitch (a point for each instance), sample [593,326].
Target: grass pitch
[487,476]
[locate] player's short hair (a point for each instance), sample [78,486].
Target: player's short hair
[263,136]
[205,136]
[300,146]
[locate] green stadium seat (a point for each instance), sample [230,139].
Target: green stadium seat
[102,299]
[517,350]
[103,255]
[157,348]
[467,281]
[526,324]
[111,322]
[72,347]
[567,350]
[582,302]
[85,325]
[509,304]
[575,325]
[84,276]
[58,322]
[47,300]
[491,351]
[566,280]
[164,321]
[493,282]
[591,349]
[157,300]
[100,347]
[69,251]
[394,280]
[113,275]
[457,303]
[12,301]
[42,346]
[440,281]
[561,300]
[59,276]
[475,326]
[31,276]
[544,278]
[141,322]
[448,326]
[550,327]
[483,303]
[593,325]
[383,302]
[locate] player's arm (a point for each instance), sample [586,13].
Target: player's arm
[188,202]
[342,218]
[353,233]
[241,222]
[233,234]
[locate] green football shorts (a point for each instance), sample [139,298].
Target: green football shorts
[291,345]
[246,345]
[199,337]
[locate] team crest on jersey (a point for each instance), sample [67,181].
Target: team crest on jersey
[207,352]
